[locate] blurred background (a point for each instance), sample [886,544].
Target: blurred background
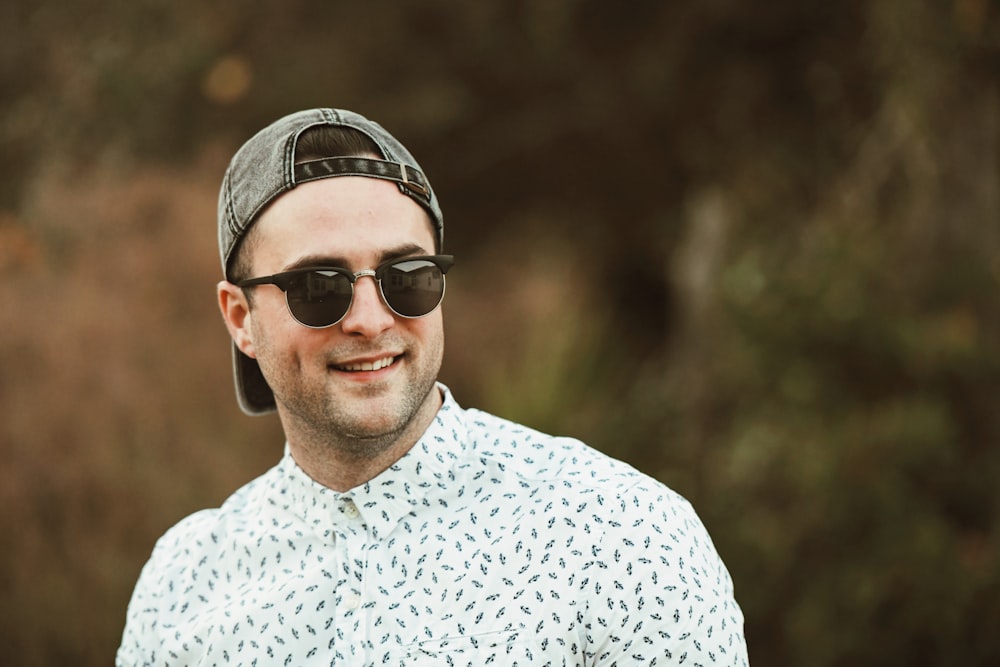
[751,248]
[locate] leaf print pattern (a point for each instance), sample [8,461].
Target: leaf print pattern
[487,544]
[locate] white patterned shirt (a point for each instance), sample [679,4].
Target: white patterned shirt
[487,544]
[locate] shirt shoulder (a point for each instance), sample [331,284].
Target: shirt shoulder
[577,477]
[177,573]
[581,483]
[537,457]
[649,560]
[197,535]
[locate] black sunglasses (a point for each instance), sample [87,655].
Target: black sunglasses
[320,296]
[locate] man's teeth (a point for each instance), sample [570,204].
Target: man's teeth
[368,365]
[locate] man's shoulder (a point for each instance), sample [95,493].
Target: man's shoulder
[564,480]
[197,532]
[565,462]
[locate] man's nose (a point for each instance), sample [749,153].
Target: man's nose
[368,315]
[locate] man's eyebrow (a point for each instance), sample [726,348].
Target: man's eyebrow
[397,252]
[405,250]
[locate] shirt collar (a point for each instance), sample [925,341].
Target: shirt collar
[426,469]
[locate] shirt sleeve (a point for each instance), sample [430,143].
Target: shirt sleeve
[158,598]
[661,593]
[138,638]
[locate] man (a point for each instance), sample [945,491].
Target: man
[400,528]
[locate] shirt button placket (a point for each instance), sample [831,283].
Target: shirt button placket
[353,539]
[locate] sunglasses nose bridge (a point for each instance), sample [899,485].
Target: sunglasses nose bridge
[366,272]
[378,288]
[374,276]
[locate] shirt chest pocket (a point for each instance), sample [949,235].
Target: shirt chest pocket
[506,647]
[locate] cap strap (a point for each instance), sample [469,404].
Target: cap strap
[409,179]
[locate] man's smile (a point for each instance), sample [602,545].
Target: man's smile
[371,365]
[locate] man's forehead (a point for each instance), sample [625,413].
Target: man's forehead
[345,217]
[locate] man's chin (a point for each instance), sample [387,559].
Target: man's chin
[383,415]
[374,415]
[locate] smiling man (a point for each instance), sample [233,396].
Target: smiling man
[399,528]
[354,397]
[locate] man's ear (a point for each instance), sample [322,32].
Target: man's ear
[236,313]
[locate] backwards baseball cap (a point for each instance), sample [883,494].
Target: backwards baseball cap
[264,168]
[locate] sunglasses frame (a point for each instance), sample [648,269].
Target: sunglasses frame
[284,279]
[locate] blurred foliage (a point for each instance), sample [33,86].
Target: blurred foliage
[753,249]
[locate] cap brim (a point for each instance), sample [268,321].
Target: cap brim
[252,391]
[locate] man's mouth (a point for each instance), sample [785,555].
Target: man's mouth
[359,366]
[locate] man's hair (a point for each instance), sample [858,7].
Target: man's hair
[334,141]
[314,144]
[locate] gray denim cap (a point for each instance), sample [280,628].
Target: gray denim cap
[264,168]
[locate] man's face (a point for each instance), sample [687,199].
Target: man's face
[318,376]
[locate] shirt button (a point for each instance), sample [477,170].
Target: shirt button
[350,510]
[351,601]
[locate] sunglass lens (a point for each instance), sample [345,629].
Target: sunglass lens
[413,288]
[319,298]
